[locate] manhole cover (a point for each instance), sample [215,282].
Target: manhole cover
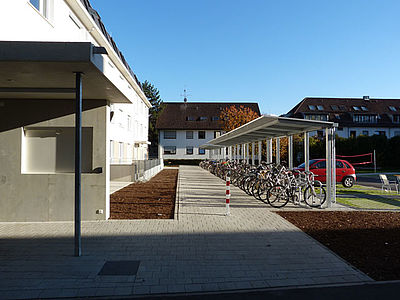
[123,267]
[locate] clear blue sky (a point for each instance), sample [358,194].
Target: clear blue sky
[272,52]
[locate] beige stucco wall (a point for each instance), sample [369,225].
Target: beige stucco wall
[50,197]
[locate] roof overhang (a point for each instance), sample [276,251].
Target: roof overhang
[266,127]
[45,70]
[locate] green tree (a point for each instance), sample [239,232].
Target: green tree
[153,95]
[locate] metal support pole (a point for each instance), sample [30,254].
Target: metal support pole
[374,161]
[290,151]
[307,151]
[78,156]
[259,151]
[329,158]
[269,151]
[253,153]
[278,151]
[247,153]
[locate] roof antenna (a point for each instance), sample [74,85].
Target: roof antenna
[185,95]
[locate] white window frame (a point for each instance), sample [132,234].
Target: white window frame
[172,135]
[44,9]
[170,149]
[189,135]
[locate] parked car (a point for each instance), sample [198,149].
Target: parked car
[345,172]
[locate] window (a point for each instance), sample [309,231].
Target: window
[111,149]
[379,132]
[190,118]
[217,134]
[337,116]
[339,165]
[347,165]
[320,107]
[334,107]
[342,107]
[129,123]
[392,108]
[364,108]
[171,150]
[202,135]
[214,118]
[311,107]
[189,150]
[42,6]
[320,165]
[189,135]
[365,118]
[202,118]
[316,117]
[396,118]
[121,151]
[356,108]
[365,132]
[202,151]
[169,135]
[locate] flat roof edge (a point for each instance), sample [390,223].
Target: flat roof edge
[18,51]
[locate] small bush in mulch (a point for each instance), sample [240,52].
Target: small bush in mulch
[154,199]
[369,241]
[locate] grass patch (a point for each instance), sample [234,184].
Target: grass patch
[367,198]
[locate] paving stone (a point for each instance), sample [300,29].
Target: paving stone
[202,250]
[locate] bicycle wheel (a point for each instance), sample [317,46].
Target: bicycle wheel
[277,196]
[315,195]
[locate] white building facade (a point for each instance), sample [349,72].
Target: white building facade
[185,126]
[44,44]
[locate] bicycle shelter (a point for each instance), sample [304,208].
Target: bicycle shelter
[235,144]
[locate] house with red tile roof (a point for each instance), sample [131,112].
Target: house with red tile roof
[184,126]
[354,116]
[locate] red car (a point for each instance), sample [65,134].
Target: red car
[345,172]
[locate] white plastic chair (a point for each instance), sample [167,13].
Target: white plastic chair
[386,184]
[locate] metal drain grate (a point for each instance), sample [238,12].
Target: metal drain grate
[120,268]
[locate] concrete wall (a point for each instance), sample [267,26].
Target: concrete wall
[46,196]
[181,142]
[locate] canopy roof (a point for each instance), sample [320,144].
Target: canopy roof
[45,70]
[265,127]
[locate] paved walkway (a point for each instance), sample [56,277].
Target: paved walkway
[202,250]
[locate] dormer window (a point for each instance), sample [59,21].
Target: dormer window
[320,107]
[364,108]
[214,118]
[202,118]
[342,107]
[311,107]
[190,118]
[334,107]
[356,108]
[392,108]
[316,117]
[365,118]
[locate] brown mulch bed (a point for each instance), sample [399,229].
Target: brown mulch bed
[154,199]
[369,241]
